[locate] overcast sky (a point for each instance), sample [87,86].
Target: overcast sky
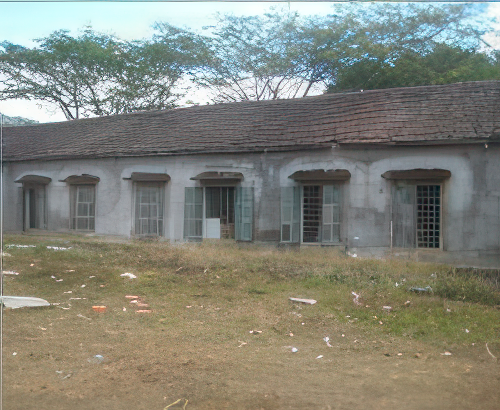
[21,22]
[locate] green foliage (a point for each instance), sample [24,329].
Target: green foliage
[277,55]
[255,58]
[467,286]
[444,65]
[96,74]
[281,55]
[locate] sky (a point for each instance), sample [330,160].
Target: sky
[23,21]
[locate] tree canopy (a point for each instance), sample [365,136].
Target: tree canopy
[96,74]
[281,55]
[277,55]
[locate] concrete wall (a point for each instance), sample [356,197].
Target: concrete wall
[471,208]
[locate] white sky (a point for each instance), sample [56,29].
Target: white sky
[21,22]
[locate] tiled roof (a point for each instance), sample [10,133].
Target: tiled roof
[462,112]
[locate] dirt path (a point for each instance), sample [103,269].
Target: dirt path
[262,374]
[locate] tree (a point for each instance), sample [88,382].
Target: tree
[254,58]
[444,65]
[394,42]
[94,74]
[155,69]
[281,55]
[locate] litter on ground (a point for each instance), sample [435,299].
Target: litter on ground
[128,275]
[306,301]
[327,341]
[421,290]
[16,302]
[97,359]
[10,272]
[491,354]
[58,248]
[178,402]
[356,298]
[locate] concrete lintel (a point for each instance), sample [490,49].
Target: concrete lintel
[418,173]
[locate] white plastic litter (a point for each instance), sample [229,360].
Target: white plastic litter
[327,341]
[307,301]
[294,350]
[128,275]
[320,356]
[58,248]
[16,302]
[356,298]
[10,272]
[97,359]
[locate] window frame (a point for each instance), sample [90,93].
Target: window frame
[159,220]
[413,184]
[74,217]
[292,213]
[29,189]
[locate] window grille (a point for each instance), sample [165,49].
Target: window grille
[83,207]
[312,215]
[193,213]
[428,216]
[149,209]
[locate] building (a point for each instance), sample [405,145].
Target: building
[398,168]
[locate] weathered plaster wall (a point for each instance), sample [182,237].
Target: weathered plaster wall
[471,208]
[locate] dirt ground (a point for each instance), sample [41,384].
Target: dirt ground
[50,362]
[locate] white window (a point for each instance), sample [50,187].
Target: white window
[83,207]
[149,204]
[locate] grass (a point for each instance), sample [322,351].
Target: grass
[248,286]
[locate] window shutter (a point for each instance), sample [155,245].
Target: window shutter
[290,214]
[403,216]
[331,213]
[244,214]
[193,213]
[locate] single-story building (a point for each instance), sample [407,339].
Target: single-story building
[405,168]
